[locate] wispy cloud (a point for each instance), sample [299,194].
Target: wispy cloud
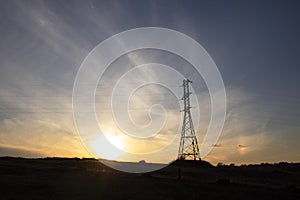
[43,44]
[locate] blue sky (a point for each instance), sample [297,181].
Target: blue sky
[254,44]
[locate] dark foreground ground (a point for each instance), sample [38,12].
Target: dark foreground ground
[89,179]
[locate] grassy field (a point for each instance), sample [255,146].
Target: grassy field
[57,178]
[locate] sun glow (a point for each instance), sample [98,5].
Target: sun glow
[108,147]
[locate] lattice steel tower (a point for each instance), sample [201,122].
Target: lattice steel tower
[188,148]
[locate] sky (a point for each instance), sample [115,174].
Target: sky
[255,45]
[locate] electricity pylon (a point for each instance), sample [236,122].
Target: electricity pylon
[188,148]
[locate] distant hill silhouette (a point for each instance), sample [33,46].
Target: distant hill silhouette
[192,163]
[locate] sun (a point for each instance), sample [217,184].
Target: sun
[108,147]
